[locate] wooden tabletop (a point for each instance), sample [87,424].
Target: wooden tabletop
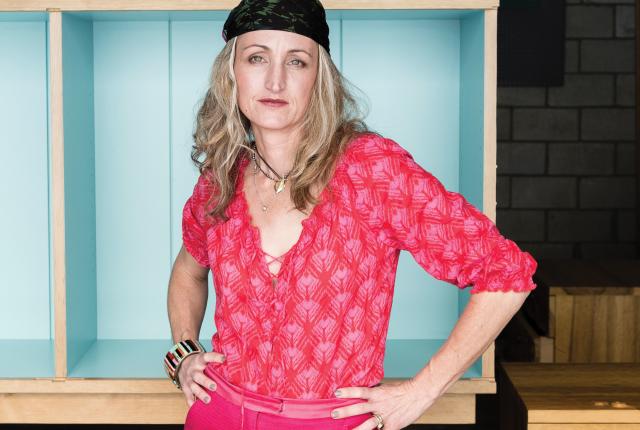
[578,392]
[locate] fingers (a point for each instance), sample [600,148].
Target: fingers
[195,388]
[371,423]
[354,392]
[213,356]
[191,398]
[193,379]
[199,392]
[355,409]
[204,380]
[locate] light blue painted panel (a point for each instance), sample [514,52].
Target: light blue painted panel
[153,15]
[472,109]
[335,42]
[404,358]
[79,171]
[194,47]
[409,69]
[32,358]
[124,358]
[149,77]
[423,307]
[24,16]
[26,343]
[472,117]
[397,14]
[221,15]
[131,65]
[24,189]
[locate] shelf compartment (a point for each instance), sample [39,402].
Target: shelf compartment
[26,306]
[132,83]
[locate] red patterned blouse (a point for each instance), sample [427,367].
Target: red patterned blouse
[322,323]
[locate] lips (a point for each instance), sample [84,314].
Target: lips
[273,102]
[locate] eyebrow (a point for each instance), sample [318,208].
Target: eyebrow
[268,49]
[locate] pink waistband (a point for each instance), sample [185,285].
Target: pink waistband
[286,407]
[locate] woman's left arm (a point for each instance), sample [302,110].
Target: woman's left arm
[486,314]
[400,404]
[455,242]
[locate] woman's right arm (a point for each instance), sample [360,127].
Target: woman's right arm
[187,297]
[186,304]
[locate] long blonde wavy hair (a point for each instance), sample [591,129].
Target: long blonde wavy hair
[223,133]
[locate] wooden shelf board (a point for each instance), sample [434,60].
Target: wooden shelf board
[78,5]
[578,392]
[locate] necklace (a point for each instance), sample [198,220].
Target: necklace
[280,182]
[262,204]
[256,166]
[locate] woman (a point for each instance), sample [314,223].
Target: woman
[300,212]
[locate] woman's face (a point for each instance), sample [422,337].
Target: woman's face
[283,67]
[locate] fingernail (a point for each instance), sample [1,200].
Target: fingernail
[338,393]
[224,357]
[334,414]
[207,399]
[212,386]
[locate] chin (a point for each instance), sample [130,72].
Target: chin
[273,127]
[272,124]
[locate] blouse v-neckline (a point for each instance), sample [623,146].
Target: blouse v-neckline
[308,223]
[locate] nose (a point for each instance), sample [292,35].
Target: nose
[276,77]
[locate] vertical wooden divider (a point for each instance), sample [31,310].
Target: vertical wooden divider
[490,146]
[57,198]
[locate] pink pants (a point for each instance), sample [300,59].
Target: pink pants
[224,413]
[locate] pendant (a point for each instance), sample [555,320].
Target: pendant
[264,208]
[279,186]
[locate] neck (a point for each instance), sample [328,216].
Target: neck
[278,149]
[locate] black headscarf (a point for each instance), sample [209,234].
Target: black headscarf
[305,17]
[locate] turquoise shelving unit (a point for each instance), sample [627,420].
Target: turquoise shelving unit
[97,106]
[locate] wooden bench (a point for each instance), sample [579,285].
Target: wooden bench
[569,396]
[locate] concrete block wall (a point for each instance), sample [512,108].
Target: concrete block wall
[566,155]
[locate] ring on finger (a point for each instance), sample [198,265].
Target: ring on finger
[380,423]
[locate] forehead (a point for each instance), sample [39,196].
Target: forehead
[275,39]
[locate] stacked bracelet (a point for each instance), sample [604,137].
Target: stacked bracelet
[176,355]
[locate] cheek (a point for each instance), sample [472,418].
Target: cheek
[245,87]
[306,87]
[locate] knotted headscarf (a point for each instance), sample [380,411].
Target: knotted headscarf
[305,17]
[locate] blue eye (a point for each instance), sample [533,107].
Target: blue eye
[252,57]
[300,62]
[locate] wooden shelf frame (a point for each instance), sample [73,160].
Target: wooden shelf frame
[141,5]
[135,400]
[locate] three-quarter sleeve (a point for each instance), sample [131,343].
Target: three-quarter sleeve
[195,222]
[410,209]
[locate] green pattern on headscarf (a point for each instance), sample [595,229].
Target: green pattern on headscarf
[305,17]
